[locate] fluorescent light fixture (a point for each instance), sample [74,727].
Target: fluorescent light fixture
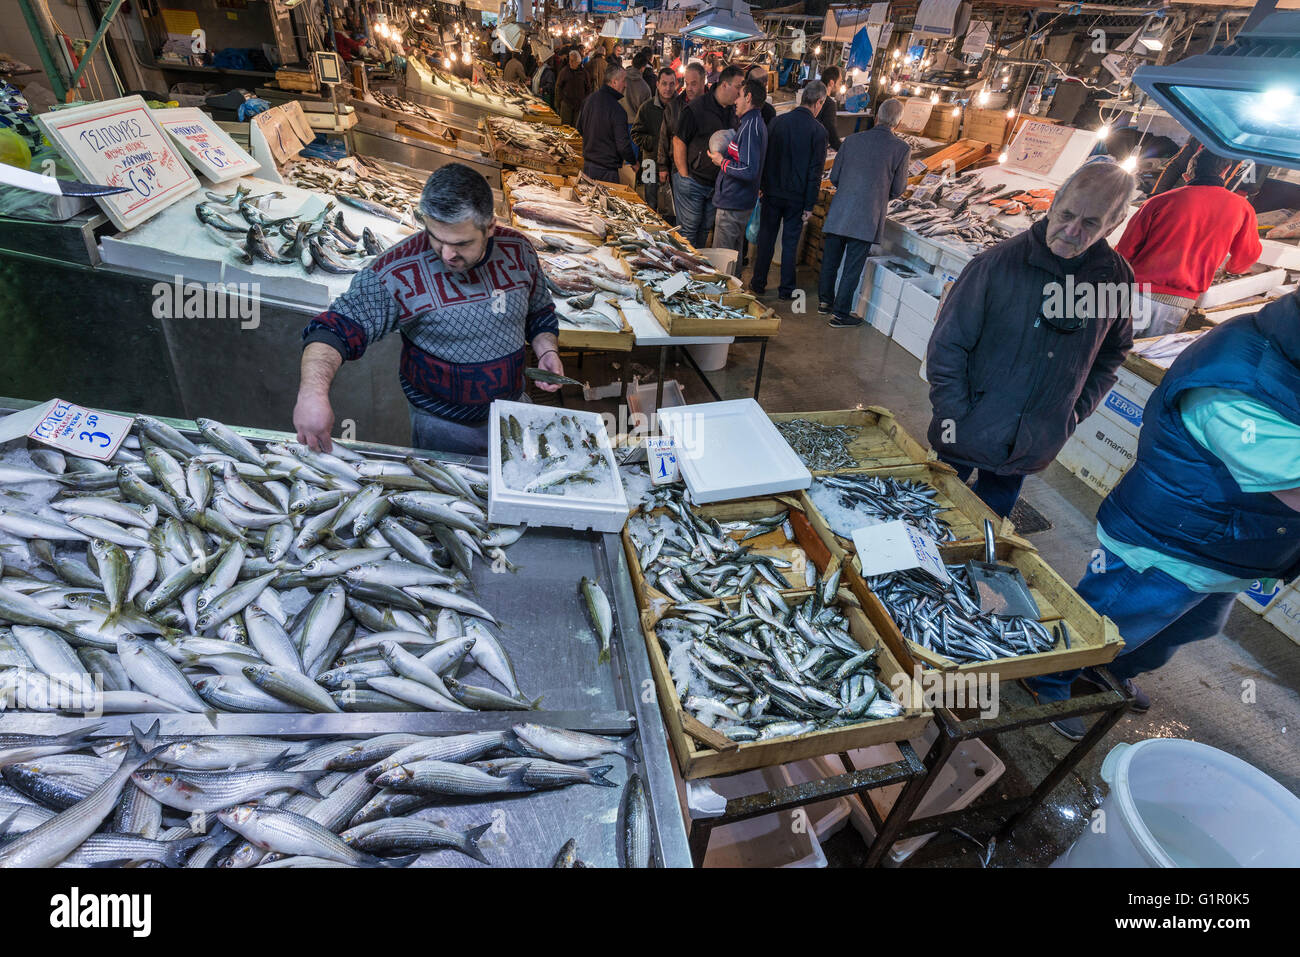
[1239,100]
[726,20]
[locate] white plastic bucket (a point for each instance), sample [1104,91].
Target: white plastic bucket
[1176,803]
[710,357]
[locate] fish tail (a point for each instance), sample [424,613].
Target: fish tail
[598,776]
[178,851]
[603,657]
[79,736]
[397,861]
[536,703]
[469,844]
[143,742]
[307,784]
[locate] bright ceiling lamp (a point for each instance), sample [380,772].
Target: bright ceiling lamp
[1239,100]
[726,20]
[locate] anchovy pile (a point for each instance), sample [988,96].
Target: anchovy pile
[74,800]
[823,448]
[770,668]
[688,558]
[887,499]
[193,547]
[947,620]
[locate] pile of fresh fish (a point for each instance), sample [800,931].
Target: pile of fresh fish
[688,557]
[223,576]
[773,666]
[390,185]
[324,241]
[823,448]
[573,274]
[946,619]
[583,312]
[537,144]
[557,242]
[928,219]
[390,102]
[696,305]
[553,455]
[80,800]
[662,251]
[556,213]
[518,178]
[871,499]
[602,200]
[974,218]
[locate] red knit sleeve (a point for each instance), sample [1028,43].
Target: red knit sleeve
[1246,247]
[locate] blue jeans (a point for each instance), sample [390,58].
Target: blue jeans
[772,217]
[695,210]
[1154,612]
[998,492]
[854,252]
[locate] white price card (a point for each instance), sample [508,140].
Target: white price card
[896,547]
[83,432]
[119,143]
[662,456]
[207,146]
[673,285]
[563,262]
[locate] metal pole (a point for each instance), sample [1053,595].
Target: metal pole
[43,50]
[104,24]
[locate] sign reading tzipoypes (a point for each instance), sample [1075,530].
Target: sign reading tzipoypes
[119,143]
[82,432]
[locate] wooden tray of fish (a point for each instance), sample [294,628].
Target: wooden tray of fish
[1092,638]
[531,159]
[957,507]
[807,547]
[598,340]
[696,760]
[878,442]
[762,320]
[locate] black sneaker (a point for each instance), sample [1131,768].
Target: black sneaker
[759,293]
[839,322]
[1141,703]
[824,308]
[1072,728]
[785,296]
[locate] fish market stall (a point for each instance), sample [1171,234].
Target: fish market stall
[560,635]
[442,90]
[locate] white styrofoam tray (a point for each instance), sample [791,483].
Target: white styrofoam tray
[509,507]
[732,450]
[1243,288]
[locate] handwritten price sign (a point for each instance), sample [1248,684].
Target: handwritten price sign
[206,145]
[1037,147]
[119,143]
[82,432]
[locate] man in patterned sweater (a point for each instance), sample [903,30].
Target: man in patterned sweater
[466,295]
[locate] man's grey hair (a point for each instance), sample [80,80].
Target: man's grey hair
[454,194]
[1103,175]
[889,113]
[814,91]
[614,71]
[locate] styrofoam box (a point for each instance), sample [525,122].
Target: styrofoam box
[1132,386]
[1103,436]
[882,320]
[918,297]
[772,840]
[1276,253]
[971,771]
[1243,288]
[827,818]
[508,507]
[1284,613]
[890,276]
[1091,468]
[1120,407]
[912,330]
[1258,599]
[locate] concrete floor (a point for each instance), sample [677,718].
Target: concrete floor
[1197,695]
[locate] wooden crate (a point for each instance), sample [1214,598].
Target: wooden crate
[962,154]
[1094,639]
[881,441]
[763,320]
[698,761]
[304,81]
[989,126]
[808,546]
[964,511]
[539,162]
[1144,367]
[598,340]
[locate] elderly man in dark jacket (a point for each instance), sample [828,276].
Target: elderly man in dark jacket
[1029,338]
[572,87]
[792,178]
[870,169]
[606,144]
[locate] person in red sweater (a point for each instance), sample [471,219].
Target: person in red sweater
[1180,238]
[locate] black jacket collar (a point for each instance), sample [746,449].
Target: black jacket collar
[1097,262]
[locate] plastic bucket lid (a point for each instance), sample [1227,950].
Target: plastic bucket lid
[1217,798]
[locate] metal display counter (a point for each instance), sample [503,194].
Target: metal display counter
[554,653]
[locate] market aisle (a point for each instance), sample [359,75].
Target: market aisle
[1198,695]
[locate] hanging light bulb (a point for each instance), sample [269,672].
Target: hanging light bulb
[454,57]
[956,112]
[1103,132]
[1011,114]
[1002,157]
[1130,164]
[446,63]
[934,97]
[983,98]
[843,89]
[897,87]
[896,54]
[817,50]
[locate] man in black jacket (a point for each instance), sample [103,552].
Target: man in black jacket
[792,178]
[606,145]
[645,133]
[692,86]
[1029,338]
[826,115]
[694,172]
[758,72]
